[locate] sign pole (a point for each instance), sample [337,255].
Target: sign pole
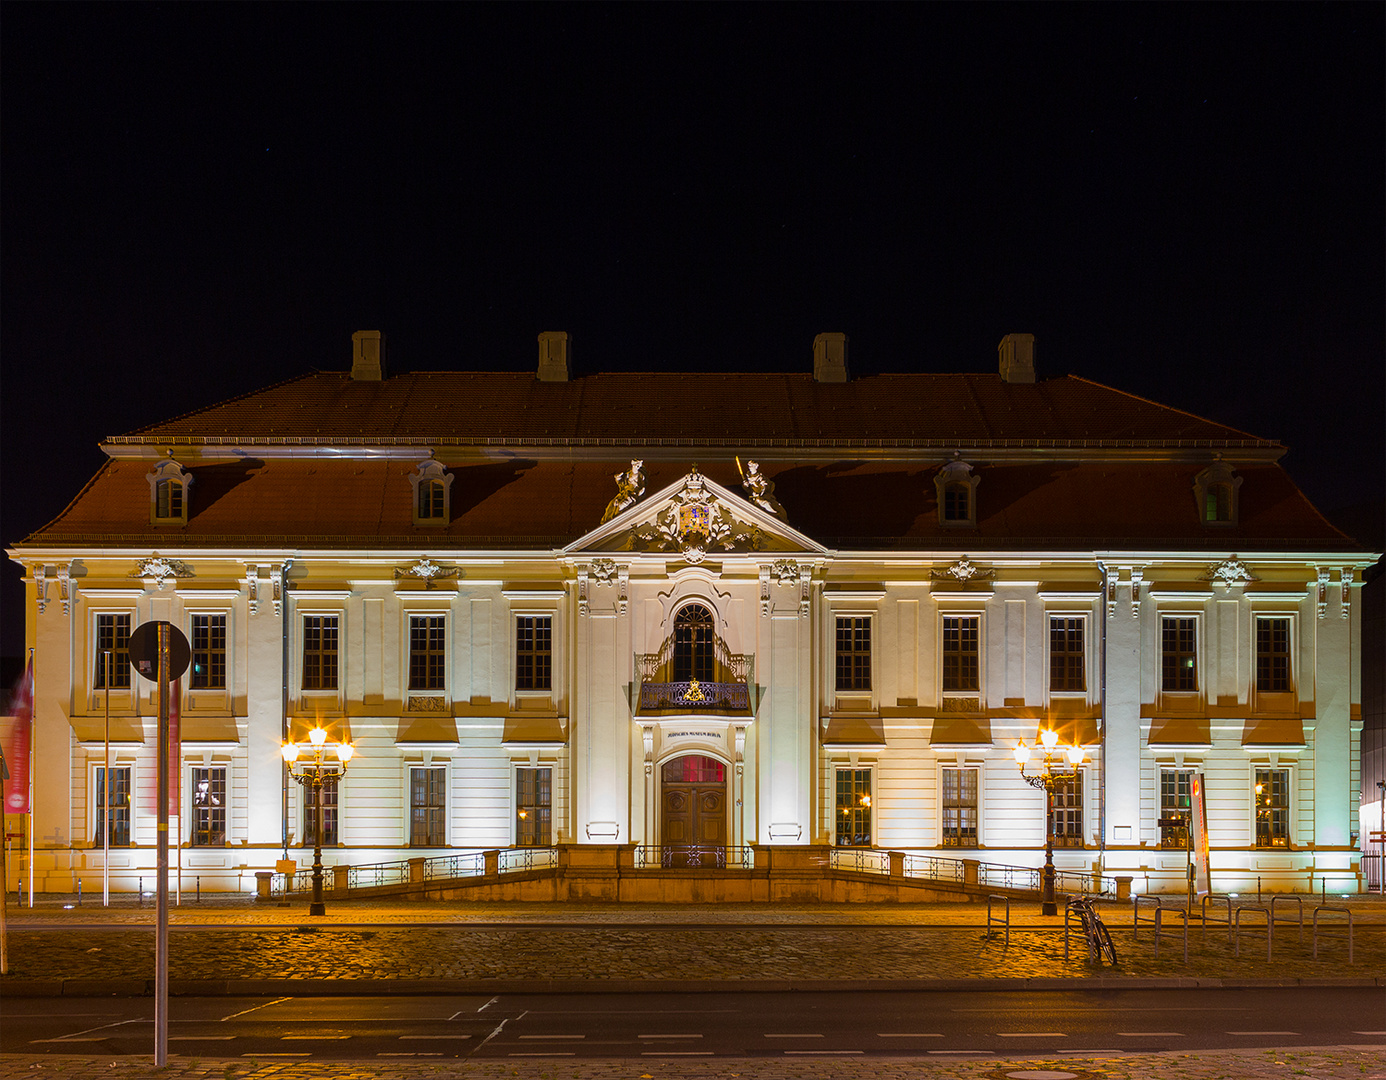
[32,727]
[106,798]
[161,939]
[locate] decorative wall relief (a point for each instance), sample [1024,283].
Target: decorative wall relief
[1231,571]
[964,570]
[1323,573]
[1345,576]
[427,571]
[760,489]
[160,570]
[696,522]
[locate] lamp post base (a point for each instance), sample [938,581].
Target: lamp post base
[1049,907]
[321,909]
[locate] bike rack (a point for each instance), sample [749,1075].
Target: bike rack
[1159,919]
[1299,911]
[1339,910]
[1007,921]
[1136,908]
[1216,898]
[1267,926]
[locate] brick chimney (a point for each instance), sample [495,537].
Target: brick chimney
[368,356]
[1017,353]
[830,358]
[553,356]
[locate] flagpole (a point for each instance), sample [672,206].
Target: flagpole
[32,725]
[106,797]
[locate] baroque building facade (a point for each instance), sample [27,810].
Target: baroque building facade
[702,615]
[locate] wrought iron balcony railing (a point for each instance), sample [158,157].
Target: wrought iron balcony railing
[695,696]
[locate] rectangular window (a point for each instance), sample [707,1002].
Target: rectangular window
[853,653]
[115,811]
[1273,656]
[113,636]
[208,652]
[209,806]
[427,655]
[1066,812]
[1175,805]
[959,799]
[533,652]
[854,807]
[319,652]
[329,812]
[1179,654]
[1067,670]
[960,666]
[1272,807]
[533,807]
[427,807]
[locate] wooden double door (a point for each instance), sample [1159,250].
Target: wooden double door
[694,811]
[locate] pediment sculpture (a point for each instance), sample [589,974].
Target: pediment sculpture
[696,522]
[760,489]
[630,485]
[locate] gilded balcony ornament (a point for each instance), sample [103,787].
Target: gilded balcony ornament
[694,692]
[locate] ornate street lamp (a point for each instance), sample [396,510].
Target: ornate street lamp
[310,773]
[1054,774]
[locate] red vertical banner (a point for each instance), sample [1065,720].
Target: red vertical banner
[17,741]
[174,749]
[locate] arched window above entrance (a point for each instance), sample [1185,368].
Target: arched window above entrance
[694,769]
[694,650]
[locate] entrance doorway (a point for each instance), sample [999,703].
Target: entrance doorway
[694,817]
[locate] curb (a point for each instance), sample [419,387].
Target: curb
[55,988]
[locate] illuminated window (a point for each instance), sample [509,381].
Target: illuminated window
[1215,494]
[427,806]
[534,807]
[209,806]
[1273,656]
[853,653]
[320,652]
[961,666]
[208,652]
[427,652]
[533,652]
[113,636]
[1179,654]
[694,645]
[1272,794]
[959,798]
[853,807]
[1066,812]
[1176,801]
[1066,656]
[329,812]
[115,811]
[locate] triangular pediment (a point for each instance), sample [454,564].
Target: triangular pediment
[695,518]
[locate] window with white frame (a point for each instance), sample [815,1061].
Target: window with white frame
[320,652]
[329,812]
[533,652]
[1273,655]
[1176,804]
[1067,656]
[1178,653]
[853,652]
[961,660]
[1066,811]
[958,801]
[1272,797]
[112,805]
[209,806]
[432,485]
[169,485]
[534,806]
[113,637]
[427,806]
[427,652]
[853,807]
[208,668]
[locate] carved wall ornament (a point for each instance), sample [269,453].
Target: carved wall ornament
[805,574]
[1136,576]
[583,606]
[161,569]
[695,522]
[963,570]
[41,587]
[760,489]
[603,571]
[1323,573]
[606,572]
[764,591]
[252,586]
[428,571]
[427,703]
[786,572]
[1345,575]
[65,587]
[1230,571]
[277,590]
[630,485]
[961,705]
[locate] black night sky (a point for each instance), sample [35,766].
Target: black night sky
[1183,201]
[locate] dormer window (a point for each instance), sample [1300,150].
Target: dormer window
[957,494]
[432,486]
[1215,492]
[168,491]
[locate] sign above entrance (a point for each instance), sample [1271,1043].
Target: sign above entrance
[679,736]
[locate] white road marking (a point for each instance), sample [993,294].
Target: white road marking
[1032,1034]
[403,1037]
[954,1053]
[797,1035]
[72,1038]
[1369,1032]
[252,1009]
[200,1038]
[267,1053]
[668,1036]
[311,1038]
[569,1054]
[820,1053]
[484,1007]
[1151,1034]
[908,1035]
[414,1053]
[1261,1033]
[676,1053]
[553,1036]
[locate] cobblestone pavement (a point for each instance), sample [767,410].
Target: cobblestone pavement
[393,941]
[1329,1063]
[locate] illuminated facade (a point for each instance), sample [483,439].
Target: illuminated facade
[701,613]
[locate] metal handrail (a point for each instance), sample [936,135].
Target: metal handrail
[694,856]
[527,858]
[860,860]
[934,868]
[443,867]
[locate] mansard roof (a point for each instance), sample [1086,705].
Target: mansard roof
[741,410]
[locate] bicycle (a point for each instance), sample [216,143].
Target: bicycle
[1095,932]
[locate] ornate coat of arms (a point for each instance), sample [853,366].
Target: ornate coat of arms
[695,523]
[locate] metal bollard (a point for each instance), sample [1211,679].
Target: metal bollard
[199,888]
[79,892]
[139,892]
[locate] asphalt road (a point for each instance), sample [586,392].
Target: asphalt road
[784,1025]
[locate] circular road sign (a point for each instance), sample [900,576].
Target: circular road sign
[144,650]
